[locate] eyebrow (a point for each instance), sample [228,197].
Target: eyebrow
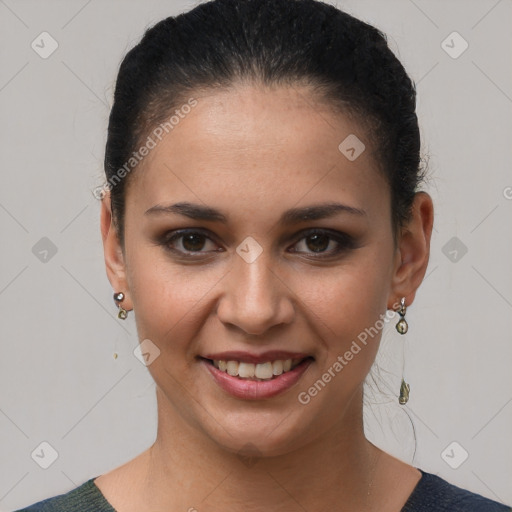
[291,216]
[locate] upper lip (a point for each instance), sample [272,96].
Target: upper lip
[248,357]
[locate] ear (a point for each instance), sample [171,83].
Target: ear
[113,253]
[413,251]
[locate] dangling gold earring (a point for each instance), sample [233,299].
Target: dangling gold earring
[402,327]
[119,297]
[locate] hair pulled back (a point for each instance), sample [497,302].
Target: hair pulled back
[272,42]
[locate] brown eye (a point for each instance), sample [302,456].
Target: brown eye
[193,242]
[188,242]
[324,242]
[318,243]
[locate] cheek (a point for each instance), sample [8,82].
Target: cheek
[350,296]
[169,299]
[346,313]
[346,308]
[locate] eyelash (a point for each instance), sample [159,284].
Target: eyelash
[345,242]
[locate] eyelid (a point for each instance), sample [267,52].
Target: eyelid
[344,240]
[176,234]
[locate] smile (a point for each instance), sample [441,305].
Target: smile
[261,371]
[259,381]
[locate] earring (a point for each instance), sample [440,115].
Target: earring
[402,327]
[404,392]
[119,297]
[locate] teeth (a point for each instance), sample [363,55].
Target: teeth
[245,370]
[277,367]
[262,371]
[232,368]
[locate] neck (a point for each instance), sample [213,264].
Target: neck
[186,469]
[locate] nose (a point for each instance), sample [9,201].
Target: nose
[255,297]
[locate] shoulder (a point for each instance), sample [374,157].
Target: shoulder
[432,493]
[85,498]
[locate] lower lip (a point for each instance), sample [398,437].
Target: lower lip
[257,389]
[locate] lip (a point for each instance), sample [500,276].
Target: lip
[247,357]
[256,390]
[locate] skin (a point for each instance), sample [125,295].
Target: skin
[254,153]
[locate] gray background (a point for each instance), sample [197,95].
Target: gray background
[59,380]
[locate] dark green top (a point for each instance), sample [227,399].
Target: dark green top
[431,494]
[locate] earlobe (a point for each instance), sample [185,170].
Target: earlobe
[413,251]
[113,254]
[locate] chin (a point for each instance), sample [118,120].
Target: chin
[260,435]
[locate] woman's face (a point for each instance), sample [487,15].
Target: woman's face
[259,280]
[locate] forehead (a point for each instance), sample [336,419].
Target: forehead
[251,144]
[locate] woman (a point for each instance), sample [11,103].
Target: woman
[262,212]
